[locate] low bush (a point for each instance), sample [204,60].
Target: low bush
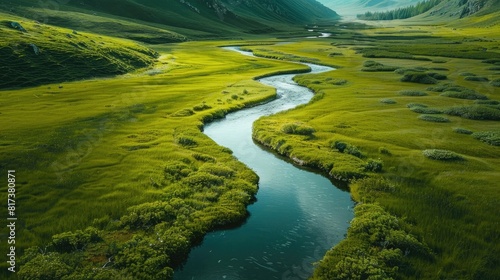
[494,68]
[495,83]
[384,151]
[185,141]
[422,110]
[418,77]
[474,112]
[489,137]
[477,79]
[347,148]
[462,130]
[444,155]
[412,93]
[467,74]
[371,63]
[402,71]
[183,113]
[471,95]
[374,165]
[388,101]
[335,54]
[487,102]
[429,118]
[438,76]
[449,87]
[298,129]
[411,105]
[201,107]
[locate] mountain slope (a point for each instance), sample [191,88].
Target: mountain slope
[157,21]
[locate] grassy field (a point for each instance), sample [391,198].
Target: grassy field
[115,170]
[86,151]
[443,202]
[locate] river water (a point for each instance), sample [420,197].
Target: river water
[298,215]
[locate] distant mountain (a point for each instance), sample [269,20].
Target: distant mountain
[175,20]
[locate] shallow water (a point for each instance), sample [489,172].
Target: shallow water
[298,215]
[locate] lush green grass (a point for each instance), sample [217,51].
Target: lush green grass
[68,54]
[130,146]
[446,206]
[130,159]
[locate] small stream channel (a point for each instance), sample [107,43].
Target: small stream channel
[298,215]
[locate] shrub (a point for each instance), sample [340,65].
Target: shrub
[411,105]
[335,54]
[494,68]
[374,165]
[422,110]
[201,107]
[471,95]
[176,171]
[449,87]
[384,151]
[477,79]
[438,76]
[418,77]
[185,141]
[183,113]
[462,130]
[474,112]
[442,155]
[402,71]
[467,74]
[429,118]
[203,157]
[203,179]
[495,83]
[371,63]
[234,96]
[297,128]
[338,82]
[412,93]
[487,102]
[340,146]
[148,214]
[388,101]
[347,148]
[73,241]
[489,137]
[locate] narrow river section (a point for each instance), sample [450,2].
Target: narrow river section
[298,215]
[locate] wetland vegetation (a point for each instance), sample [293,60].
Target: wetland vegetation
[116,180]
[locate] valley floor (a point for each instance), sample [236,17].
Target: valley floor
[115,171]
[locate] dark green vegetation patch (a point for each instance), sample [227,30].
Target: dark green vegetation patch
[489,137]
[444,155]
[438,119]
[69,55]
[475,112]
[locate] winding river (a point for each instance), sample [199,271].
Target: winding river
[298,215]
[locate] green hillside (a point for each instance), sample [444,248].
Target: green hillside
[34,54]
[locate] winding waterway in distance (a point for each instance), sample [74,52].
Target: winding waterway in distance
[298,215]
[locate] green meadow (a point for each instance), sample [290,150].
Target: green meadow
[421,154]
[112,167]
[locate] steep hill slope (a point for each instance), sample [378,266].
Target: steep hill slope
[34,54]
[175,20]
